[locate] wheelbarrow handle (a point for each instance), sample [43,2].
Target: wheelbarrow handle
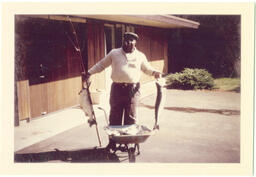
[105,114]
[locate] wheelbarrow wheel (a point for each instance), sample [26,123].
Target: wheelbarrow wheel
[131,154]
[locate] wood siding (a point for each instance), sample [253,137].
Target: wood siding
[53,96]
[153,43]
[23,100]
[96,51]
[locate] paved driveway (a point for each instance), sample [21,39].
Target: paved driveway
[195,127]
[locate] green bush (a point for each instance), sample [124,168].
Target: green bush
[190,79]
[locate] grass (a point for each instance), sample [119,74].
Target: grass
[227,84]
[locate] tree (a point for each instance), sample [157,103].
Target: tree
[214,46]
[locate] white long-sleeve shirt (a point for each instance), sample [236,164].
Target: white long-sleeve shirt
[126,67]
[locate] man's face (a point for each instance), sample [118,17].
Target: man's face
[129,44]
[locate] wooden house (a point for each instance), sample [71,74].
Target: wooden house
[48,62]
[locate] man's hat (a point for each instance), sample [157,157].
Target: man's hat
[131,34]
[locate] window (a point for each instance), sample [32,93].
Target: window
[114,35]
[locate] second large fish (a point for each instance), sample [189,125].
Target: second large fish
[86,105]
[160,100]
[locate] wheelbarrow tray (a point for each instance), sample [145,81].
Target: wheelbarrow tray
[130,139]
[135,137]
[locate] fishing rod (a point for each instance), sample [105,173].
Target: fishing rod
[78,49]
[76,46]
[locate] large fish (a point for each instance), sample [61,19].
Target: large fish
[86,105]
[160,99]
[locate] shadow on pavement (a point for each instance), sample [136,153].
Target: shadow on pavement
[84,155]
[194,110]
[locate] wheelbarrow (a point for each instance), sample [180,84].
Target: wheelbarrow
[127,138]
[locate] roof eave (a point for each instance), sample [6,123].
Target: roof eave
[160,21]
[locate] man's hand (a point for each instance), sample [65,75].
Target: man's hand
[86,79]
[157,74]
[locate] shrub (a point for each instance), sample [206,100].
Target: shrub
[190,79]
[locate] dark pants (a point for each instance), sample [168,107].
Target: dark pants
[124,100]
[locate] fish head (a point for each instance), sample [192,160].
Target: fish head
[161,82]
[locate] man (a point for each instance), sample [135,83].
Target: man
[127,63]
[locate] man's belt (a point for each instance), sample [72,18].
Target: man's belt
[126,84]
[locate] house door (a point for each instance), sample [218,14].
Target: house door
[38,76]
[46,67]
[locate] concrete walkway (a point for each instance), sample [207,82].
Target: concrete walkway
[195,127]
